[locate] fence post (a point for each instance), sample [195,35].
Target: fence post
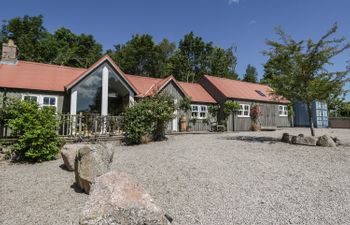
[80,125]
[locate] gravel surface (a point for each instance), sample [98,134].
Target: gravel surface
[229,178]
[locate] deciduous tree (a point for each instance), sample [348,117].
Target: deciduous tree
[300,70]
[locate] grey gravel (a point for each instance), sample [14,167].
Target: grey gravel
[229,178]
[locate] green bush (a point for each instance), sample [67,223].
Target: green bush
[230,107]
[214,110]
[148,117]
[185,104]
[35,128]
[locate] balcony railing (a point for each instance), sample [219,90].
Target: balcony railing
[81,125]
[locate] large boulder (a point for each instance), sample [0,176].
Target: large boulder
[115,199]
[286,137]
[336,141]
[326,141]
[91,161]
[68,153]
[306,140]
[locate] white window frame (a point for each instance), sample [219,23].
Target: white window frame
[284,111]
[30,95]
[40,99]
[242,110]
[200,109]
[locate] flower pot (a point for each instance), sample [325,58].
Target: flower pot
[183,122]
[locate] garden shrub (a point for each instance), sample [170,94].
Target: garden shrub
[148,117]
[214,110]
[35,128]
[230,107]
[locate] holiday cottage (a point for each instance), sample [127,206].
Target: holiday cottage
[104,89]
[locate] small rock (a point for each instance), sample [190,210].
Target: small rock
[326,141]
[301,135]
[91,162]
[68,155]
[286,138]
[115,199]
[297,140]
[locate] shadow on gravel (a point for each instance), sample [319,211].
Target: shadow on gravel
[251,139]
[63,167]
[76,188]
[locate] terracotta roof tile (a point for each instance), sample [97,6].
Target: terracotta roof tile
[143,85]
[244,90]
[197,92]
[37,76]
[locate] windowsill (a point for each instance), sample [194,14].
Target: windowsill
[283,115]
[243,116]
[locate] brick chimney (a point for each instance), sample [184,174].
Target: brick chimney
[9,53]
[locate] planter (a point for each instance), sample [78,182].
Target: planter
[183,122]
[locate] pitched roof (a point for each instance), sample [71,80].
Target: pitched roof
[197,92]
[105,58]
[37,76]
[143,85]
[148,86]
[244,90]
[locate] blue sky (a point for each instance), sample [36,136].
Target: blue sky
[243,23]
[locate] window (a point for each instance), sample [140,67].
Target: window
[260,93]
[49,101]
[319,112]
[42,100]
[194,113]
[325,113]
[30,98]
[244,110]
[199,111]
[282,110]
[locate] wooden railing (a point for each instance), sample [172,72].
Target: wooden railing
[81,125]
[89,125]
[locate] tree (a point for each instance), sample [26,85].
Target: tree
[63,47]
[28,33]
[251,75]
[69,49]
[194,58]
[139,56]
[165,50]
[299,70]
[222,63]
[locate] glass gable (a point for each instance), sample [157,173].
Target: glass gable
[89,93]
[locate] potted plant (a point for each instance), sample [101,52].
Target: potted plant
[255,113]
[185,106]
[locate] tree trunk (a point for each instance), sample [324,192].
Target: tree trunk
[311,123]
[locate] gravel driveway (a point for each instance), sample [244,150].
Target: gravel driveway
[230,178]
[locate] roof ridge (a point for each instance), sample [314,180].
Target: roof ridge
[246,82]
[154,78]
[190,83]
[52,65]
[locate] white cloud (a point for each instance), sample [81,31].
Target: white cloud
[252,22]
[233,1]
